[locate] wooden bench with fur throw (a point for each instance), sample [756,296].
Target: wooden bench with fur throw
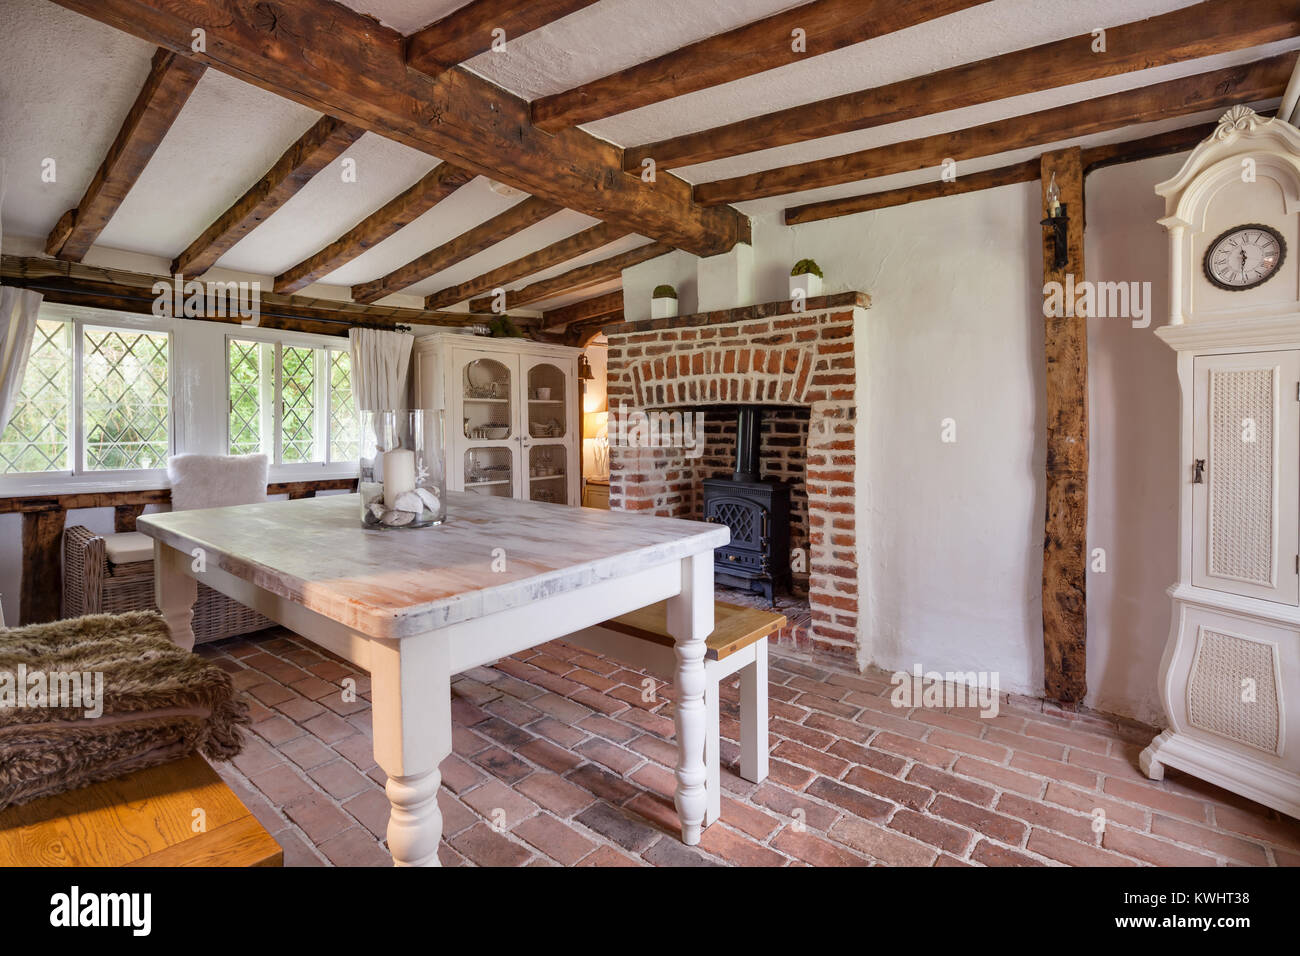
[91,698]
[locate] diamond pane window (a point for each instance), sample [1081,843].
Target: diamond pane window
[247,362]
[37,436]
[297,404]
[343,409]
[125,399]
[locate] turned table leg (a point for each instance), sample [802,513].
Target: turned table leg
[411,708]
[690,621]
[175,590]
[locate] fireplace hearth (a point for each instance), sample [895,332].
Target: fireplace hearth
[758,513]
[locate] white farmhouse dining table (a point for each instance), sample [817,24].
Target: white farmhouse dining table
[416,606]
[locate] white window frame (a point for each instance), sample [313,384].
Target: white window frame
[322,400]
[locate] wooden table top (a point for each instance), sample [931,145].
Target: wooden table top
[395,583]
[145,818]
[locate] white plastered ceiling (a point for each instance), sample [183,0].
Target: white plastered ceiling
[66,82]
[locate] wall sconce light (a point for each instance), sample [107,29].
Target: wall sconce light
[1059,222]
[584,369]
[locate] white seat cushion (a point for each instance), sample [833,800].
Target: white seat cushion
[128,546]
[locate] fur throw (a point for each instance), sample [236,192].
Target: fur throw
[156,703]
[215,481]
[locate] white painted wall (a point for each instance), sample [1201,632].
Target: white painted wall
[950,535]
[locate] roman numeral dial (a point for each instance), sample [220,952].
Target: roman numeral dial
[1245,257]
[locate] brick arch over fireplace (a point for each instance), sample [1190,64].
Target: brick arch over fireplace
[768,355]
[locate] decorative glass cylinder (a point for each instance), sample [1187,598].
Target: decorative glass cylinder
[403,480]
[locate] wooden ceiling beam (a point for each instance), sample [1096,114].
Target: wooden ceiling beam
[314,150]
[553,255]
[169,84]
[399,212]
[1251,82]
[74,283]
[348,65]
[517,218]
[597,307]
[575,280]
[766,44]
[468,31]
[1204,29]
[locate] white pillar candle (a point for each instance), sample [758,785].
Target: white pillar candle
[399,474]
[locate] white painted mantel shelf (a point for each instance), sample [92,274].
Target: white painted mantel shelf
[415,607]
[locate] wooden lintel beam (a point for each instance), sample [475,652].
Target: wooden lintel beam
[77,284]
[470,30]
[375,228]
[168,86]
[597,307]
[314,150]
[1065,554]
[575,280]
[517,218]
[345,64]
[1203,29]
[824,25]
[588,240]
[1251,82]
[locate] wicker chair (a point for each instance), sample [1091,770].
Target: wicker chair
[94,583]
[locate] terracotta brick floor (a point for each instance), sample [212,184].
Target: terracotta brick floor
[557,760]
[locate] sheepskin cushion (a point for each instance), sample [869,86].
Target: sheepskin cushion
[214,481]
[152,703]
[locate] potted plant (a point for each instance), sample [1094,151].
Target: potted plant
[806,278]
[663,302]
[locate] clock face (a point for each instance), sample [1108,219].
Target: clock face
[1245,257]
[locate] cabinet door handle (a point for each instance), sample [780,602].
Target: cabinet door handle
[1198,472]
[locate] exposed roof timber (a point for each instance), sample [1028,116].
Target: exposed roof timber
[581,333]
[170,82]
[78,284]
[314,150]
[1260,80]
[1161,144]
[575,280]
[468,31]
[763,45]
[345,64]
[1216,26]
[517,218]
[436,186]
[557,252]
[597,307]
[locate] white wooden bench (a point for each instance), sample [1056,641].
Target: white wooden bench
[738,643]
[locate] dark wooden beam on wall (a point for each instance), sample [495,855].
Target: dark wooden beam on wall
[517,218]
[575,280]
[1065,550]
[77,284]
[1219,89]
[170,82]
[348,65]
[765,44]
[588,240]
[124,517]
[1094,157]
[597,307]
[41,582]
[468,31]
[314,150]
[397,213]
[1204,29]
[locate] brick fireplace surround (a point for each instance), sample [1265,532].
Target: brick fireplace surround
[802,367]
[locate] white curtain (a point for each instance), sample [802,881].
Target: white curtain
[18,309]
[380,361]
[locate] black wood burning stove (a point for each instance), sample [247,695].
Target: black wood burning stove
[756,511]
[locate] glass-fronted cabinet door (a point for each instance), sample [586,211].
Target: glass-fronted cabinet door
[485,422]
[548,436]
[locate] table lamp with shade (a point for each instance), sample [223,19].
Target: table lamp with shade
[595,427]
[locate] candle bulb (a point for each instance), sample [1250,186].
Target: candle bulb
[1053,198]
[399,474]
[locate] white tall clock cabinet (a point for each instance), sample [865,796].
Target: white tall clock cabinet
[1230,675]
[511,414]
